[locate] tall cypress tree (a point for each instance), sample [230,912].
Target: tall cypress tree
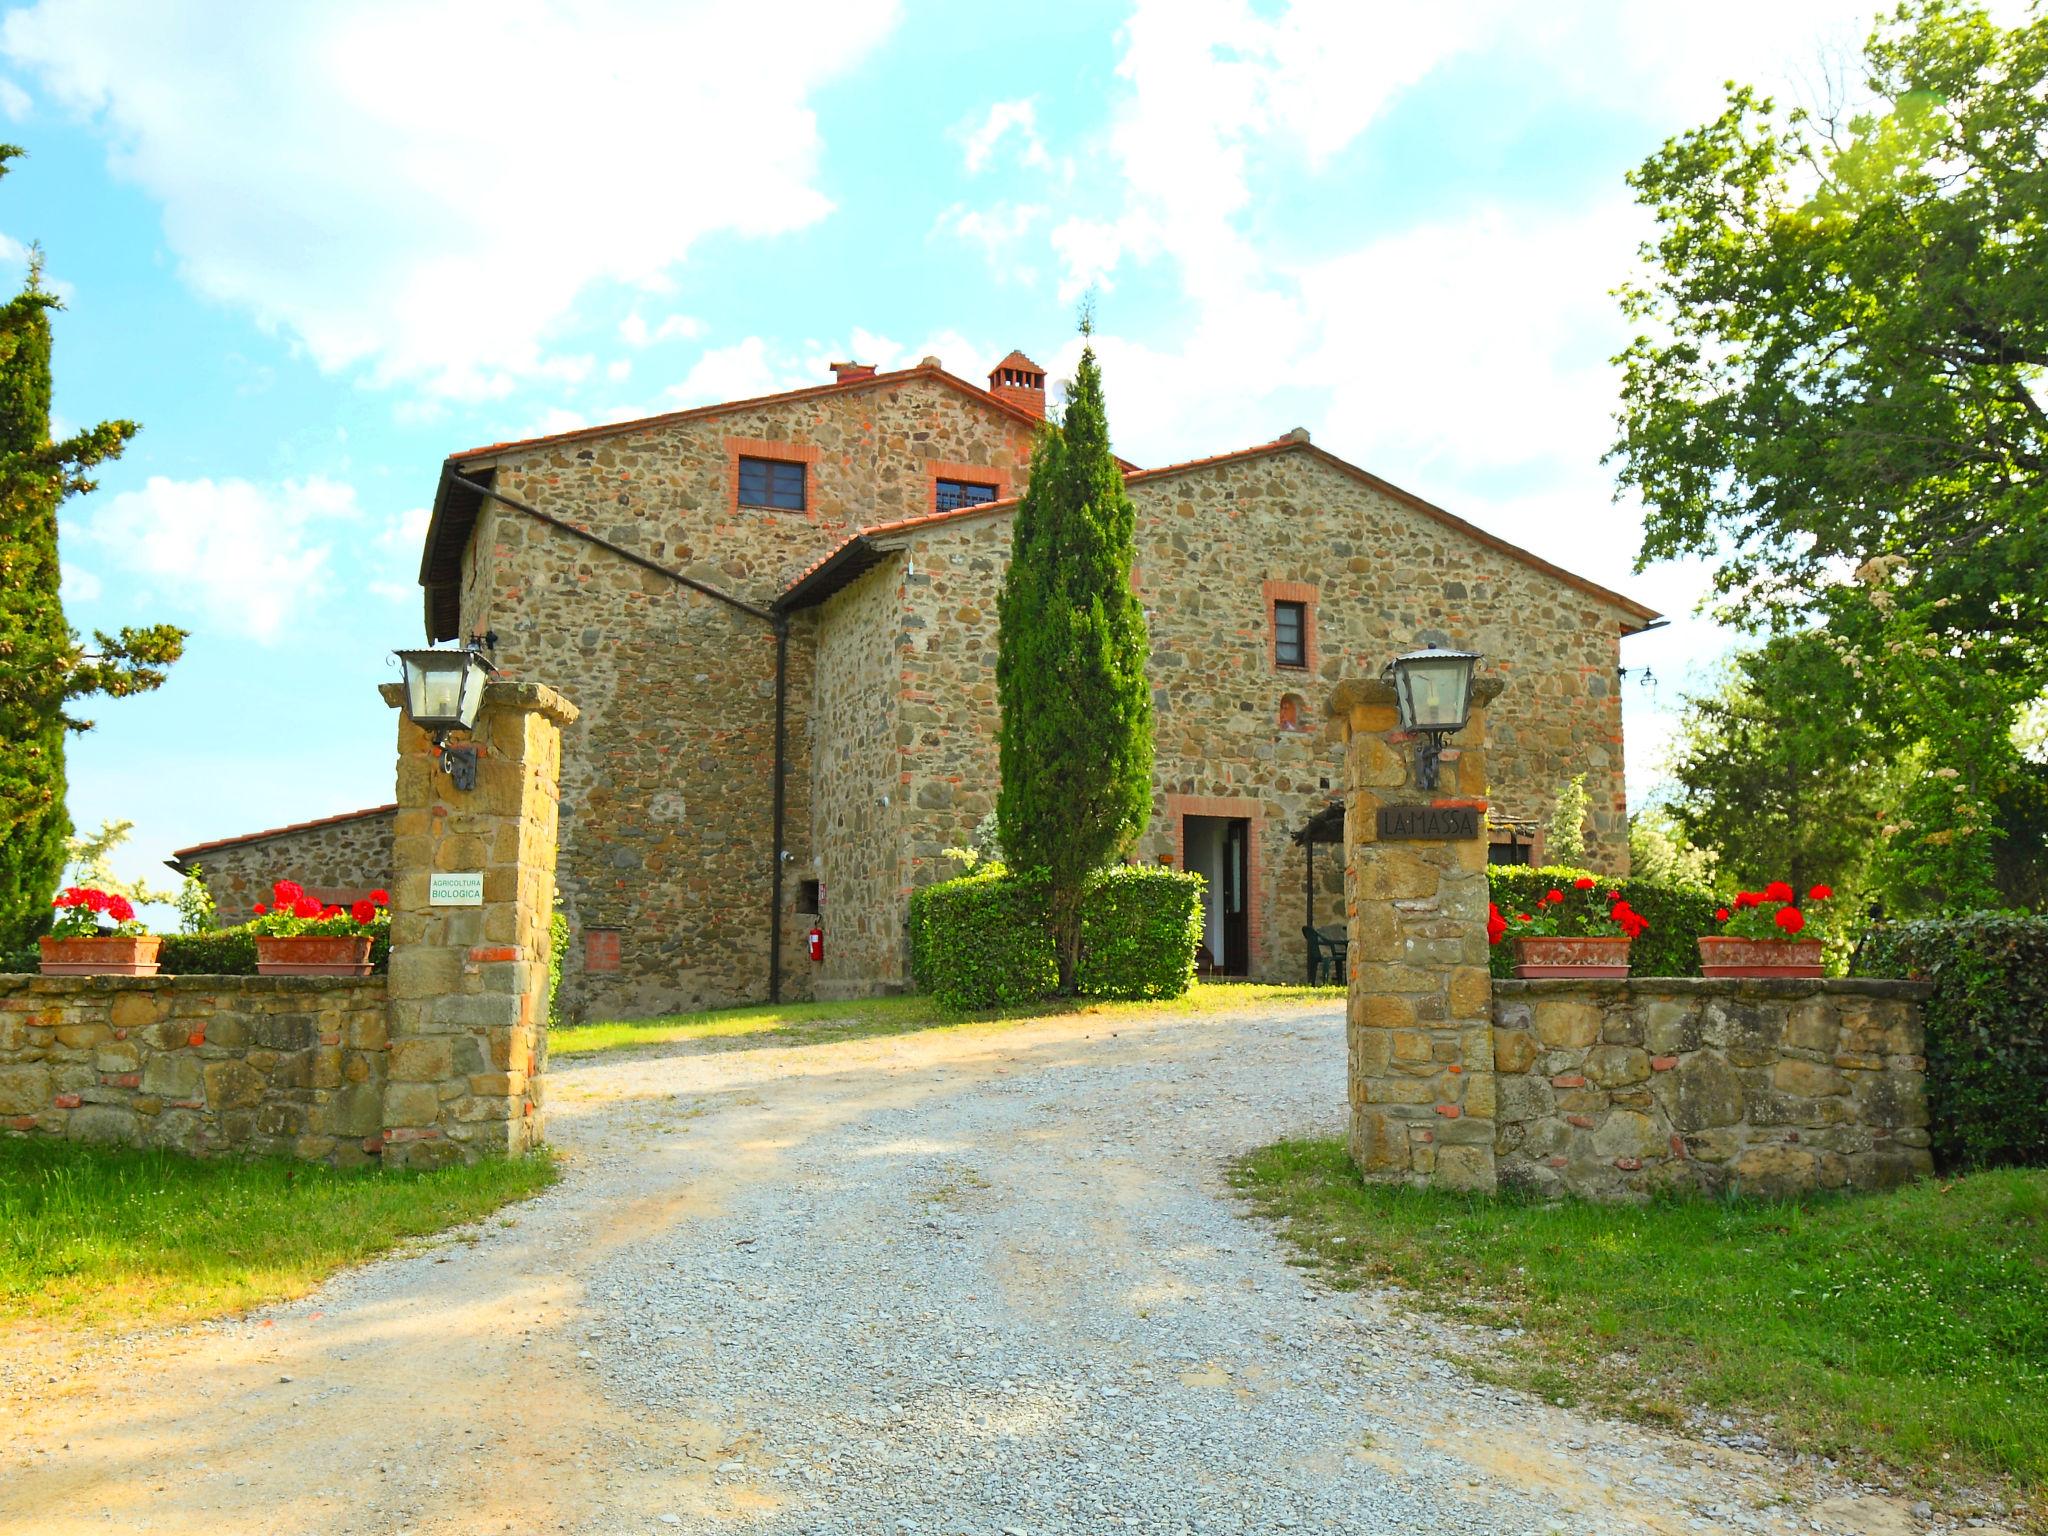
[42,664]
[1076,735]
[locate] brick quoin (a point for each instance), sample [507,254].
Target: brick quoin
[492,954]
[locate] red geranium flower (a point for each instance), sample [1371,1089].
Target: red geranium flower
[120,909]
[305,906]
[1820,893]
[1614,895]
[1778,890]
[1791,919]
[261,909]
[1747,899]
[1583,883]
[1555,895]
[382,898]
[1496,925]
[363,912]
[1523,917]
[1720,914]
[287,893]
[95,900]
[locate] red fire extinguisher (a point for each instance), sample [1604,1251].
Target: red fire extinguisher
[816,940]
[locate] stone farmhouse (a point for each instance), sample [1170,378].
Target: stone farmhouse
[778,618]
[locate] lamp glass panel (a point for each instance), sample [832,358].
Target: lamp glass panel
[474,675]
[1435,690]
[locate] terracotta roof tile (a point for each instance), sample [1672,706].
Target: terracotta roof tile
[182,854]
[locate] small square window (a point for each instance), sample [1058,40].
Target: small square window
[601,949]
[772,483]
[809,894]
[953,494]
[1290,634]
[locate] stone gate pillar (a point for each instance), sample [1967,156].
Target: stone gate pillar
[1421,1004]
[471,900]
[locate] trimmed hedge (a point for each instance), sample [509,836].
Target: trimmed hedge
[1677,914]
[1987,1031]
[232,952]
[981,941]
[1139,930]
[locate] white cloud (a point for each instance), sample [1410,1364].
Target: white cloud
[634,330]
[1004,118]
[1000,232]
[228,554]
[396,550]
[421,189]
[15,105]
[78,584]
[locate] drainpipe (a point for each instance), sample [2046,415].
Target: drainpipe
[781,765]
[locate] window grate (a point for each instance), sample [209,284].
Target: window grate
[954,494]
[772,483]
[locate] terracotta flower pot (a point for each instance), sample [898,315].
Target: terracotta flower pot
[1588,959]
[314,954]
[117,954]
[1721,956]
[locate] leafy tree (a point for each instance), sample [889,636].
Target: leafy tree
[1076,734]
[1844,332]
[43,666]
[1779,773]
[1660,852]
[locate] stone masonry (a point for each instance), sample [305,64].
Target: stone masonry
[1616,1089]
[291,1066]
[1420,1034]
[337,859]
[469,983]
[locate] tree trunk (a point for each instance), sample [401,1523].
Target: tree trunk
[1066,936]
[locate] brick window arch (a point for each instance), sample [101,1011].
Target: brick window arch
[1275,593]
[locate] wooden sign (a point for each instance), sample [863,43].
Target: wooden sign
[1436,823]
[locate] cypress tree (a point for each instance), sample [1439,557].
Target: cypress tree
[42,664]
[1076,734]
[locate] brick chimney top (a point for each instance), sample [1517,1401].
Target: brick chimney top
[1020,381]
[846,373]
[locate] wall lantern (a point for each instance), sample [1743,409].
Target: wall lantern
[1433,689]
[443,690]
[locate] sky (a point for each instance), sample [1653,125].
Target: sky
[314,249]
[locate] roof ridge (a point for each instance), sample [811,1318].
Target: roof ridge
[716,408]
[289,827]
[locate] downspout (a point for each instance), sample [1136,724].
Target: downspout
[781,623]
[781,766]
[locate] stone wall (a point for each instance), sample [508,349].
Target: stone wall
[1236,734]
[1616,1089]
[200,1064]
[857,795]
[667,778]
[338,859]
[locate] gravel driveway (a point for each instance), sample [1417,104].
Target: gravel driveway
[985,1281]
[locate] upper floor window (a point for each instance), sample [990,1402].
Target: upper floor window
[772,483]
[962,493]
[1290,634]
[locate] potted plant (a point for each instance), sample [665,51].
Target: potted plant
[77,944]
[1573,933]
[299,936]
[1764,933]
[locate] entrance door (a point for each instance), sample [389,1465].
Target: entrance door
[1237,934]
[1218,848]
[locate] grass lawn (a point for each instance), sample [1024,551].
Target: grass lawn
[93,1235]
[799,1023]
[1908,1329]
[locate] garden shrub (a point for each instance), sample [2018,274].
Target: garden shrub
[558,945]
[982,941]
[1139,929]
[1987,1031]
[1677,915]
[232,952]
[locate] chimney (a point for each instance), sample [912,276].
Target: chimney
[1020,381]
[846,373]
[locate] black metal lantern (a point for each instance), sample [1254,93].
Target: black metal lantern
[443,691]
[1433,690]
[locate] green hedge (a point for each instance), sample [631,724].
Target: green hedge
[1139,930]
[1677,915]
[1987,1031]
[981,941]
[232,952]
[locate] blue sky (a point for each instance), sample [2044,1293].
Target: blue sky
[312,249]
